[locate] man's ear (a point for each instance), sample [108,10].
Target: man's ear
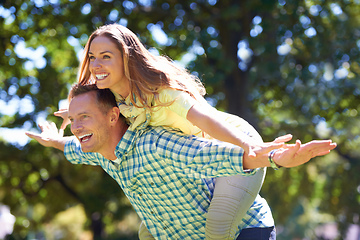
[114,114]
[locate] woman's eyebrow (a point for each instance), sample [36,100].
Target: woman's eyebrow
[102,52]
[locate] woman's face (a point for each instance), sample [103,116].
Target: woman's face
[107,67]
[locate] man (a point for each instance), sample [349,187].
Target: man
[166,175]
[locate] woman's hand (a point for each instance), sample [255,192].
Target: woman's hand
[63,113]
[254,148]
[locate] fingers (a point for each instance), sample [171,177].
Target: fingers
[65,123]
[319,145]
[53,126]
[252,154]
[48,128]
[63,113]
[322,148]
[294,148]
[61,132]
[43,126]
[283,139]
[32,135]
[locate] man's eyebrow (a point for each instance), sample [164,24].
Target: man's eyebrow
[78,114]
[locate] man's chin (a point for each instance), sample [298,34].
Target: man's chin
[86,149]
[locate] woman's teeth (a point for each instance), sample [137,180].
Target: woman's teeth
[101,76]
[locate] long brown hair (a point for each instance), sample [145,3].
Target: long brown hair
[147,73]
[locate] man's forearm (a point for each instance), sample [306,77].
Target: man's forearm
[253,163]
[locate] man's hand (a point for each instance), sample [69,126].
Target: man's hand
[290,155]
[50,136]
[297,154]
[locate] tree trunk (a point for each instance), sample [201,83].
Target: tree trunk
[97,226]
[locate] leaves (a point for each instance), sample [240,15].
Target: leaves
[285,66]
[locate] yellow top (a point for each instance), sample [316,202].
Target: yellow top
[174,115]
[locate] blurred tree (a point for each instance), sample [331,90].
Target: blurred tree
[285,66]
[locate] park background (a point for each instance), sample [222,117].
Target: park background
[286,66]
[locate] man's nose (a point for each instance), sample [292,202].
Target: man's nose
[75,127]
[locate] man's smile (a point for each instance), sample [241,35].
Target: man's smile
[85,137]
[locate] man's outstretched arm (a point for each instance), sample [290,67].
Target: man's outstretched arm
[292,155]
[50,136]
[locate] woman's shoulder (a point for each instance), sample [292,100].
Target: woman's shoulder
[170,94]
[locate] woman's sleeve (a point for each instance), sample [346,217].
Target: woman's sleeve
[182,101]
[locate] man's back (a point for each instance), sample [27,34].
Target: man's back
[168,178]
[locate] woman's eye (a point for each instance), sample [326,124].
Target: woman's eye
[91,58]
[106,56]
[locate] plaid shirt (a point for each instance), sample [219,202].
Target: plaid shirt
[169,179]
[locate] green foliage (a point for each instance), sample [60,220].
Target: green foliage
[295,71]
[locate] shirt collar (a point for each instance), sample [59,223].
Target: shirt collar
[126,143]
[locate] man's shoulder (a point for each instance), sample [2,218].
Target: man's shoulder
[161,130]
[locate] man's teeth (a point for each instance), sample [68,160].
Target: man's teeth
[86,136]
[101,76]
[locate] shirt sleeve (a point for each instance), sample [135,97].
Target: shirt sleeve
[200,158]
[75,155]
[182,101]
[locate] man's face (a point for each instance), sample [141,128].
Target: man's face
[88,123]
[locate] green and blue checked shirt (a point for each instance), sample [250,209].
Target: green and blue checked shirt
[169,179]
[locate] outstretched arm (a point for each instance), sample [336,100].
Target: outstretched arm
[209,121]
[50,136]
[292,155]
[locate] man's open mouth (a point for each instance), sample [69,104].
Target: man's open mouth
[85,138]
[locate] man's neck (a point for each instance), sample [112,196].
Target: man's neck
[119,134]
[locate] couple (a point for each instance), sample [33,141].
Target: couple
[168,176]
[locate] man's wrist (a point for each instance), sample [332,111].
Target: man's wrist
[259,161]
[273,164]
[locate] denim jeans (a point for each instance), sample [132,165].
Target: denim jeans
[257,234]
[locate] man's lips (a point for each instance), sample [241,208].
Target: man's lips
[85,137]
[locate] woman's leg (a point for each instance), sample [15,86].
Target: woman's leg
[233,195]
[232,198]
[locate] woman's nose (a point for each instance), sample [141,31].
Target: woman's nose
[96,63]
